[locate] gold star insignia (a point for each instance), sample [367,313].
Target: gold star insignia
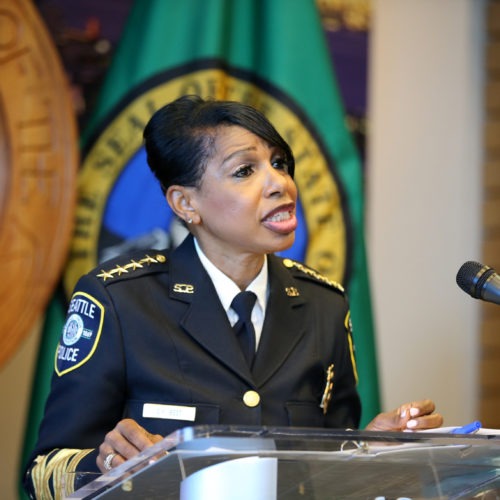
[134,265]
[104,275]
[311,272]
[120,270]
[148,260]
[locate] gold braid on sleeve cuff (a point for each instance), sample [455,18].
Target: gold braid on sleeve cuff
[48,472]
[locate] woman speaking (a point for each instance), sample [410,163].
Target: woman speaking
[216,331]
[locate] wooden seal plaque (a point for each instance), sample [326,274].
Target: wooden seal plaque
[38,165]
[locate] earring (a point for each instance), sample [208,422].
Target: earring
[190,221]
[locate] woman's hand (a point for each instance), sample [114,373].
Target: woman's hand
[411,416]
[125,441]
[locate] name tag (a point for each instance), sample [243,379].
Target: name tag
[169,412]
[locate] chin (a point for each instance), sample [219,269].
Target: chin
[285,243]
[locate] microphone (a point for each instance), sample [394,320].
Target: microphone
[479,281]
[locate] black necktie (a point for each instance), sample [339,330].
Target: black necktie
[243,304]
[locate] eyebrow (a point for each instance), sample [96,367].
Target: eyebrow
[238,152]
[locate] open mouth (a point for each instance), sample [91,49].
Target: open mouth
[282,220]
[280,216]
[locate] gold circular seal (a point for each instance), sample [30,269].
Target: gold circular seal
[38,160]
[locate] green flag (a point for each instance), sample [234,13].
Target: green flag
[271,54]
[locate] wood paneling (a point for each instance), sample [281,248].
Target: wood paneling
[489,376]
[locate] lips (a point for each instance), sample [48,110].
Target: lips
[281,220]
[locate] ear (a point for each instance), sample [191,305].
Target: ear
[179,199]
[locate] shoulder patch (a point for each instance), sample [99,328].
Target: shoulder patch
[289,263]
[128,268]
[80,334]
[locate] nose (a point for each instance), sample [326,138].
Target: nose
[276,181]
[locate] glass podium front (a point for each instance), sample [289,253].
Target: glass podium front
[225,462]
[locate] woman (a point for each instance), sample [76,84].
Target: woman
[148,346]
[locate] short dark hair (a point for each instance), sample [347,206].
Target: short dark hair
[179,137]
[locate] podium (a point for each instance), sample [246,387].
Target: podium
[266,463]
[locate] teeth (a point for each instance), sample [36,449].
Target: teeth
[280,216]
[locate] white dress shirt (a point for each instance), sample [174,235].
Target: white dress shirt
[227,289]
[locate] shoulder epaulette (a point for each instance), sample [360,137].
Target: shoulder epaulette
[289,263]
[133,265]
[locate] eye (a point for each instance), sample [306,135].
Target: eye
[281,164]
[243,171]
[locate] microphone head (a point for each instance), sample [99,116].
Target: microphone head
[472,276]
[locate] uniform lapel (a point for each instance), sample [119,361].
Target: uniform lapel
[204,318]
[284,324]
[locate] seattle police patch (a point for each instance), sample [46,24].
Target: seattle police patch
[80,334]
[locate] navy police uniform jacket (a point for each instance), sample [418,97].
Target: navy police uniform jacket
[147,338]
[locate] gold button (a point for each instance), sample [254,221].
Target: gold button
[251,398]
[288,263]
